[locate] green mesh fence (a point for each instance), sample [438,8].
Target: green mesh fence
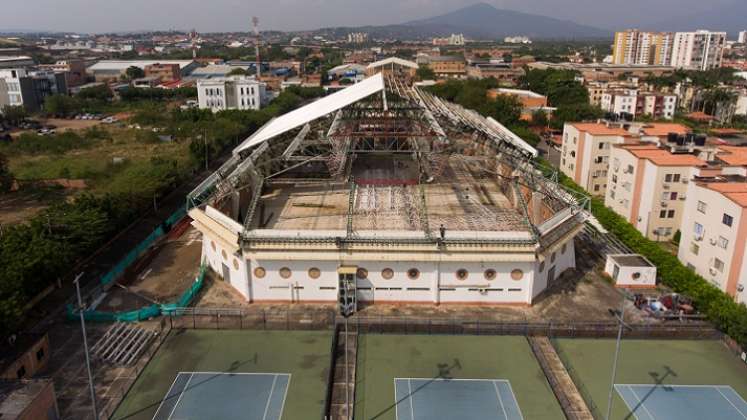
[147,312]
[138,250]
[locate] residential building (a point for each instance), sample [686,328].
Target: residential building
[447,66]
[714,227]
[233,92]
[454,39]
[28,400]
[585,153]
[498,70]
[108,70]
[699,50]
[517,40]
[357,37]
[635,103]
[643,48]
[166,73]
[530,101]
[75,71]
[647,184]
[24,356]
[19,87]
[604,72]
[742,38]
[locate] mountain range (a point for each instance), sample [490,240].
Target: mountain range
[484,21]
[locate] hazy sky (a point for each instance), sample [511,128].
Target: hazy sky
[234,15]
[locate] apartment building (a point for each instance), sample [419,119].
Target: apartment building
[585,153]
[699,50]
[166,73]
[20,87]
[714,227]
[453,39]
[642,48]
[233,92]
[75,71]
[10,87]
[635,103]
[647,185]
[742,38]
[448,66]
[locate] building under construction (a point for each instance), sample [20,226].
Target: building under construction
[383,192]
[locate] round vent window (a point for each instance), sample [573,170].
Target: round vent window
[387,273]
[462,274]
[259,272]
[413,273]
[285,272]
[517,274]
[362,273]
[314,273]
[490,274]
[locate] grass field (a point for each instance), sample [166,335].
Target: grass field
[381,358]
[674,362]
[305,355]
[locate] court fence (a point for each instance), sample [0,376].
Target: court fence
[270,319]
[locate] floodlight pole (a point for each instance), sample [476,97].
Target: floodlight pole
[620,323]
[85,346]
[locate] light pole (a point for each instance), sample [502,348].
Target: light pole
[85,346]
[621,323]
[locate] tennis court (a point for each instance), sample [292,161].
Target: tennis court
[658,379]
[444,399]
[418,377]
[232,374]
[250,396]
[682,402]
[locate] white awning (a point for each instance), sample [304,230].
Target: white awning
[393,60]
[314,110]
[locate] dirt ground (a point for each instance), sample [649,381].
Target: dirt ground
[19,206]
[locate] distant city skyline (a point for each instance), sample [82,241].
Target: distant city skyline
[97,16]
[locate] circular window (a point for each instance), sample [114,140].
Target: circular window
[212,245]
[462,274]
[314,273]
[563,248]
[636,276]
[362,273]
[542,266]
[490,274]
[235,264]
[259,272]
[517,274]
[285,272]
[413,273]
[223,253]
[387,273]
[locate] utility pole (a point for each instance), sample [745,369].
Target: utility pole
[621,324]
[255,26]
[85,346]
[204,139]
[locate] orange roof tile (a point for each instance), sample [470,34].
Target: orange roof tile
[597,129]
[735,191]
[733,155]
[662,129]
[661,157]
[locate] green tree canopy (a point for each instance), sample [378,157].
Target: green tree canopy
[134,72]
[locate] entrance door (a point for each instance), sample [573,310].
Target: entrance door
[346,292]
[551,275]
[226,273]
[615,272]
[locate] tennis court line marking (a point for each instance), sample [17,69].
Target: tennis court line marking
[643,405]
[285,395]
[180,396]
[731,403]
[451,380]
[500,401]
[236,373]
[167,395]
[412,406]
[269,397]
[676,386]
[513,396]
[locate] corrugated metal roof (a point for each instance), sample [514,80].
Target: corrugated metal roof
[314,110]
[395,60]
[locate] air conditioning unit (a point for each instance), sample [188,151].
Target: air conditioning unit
[666,186]
[683,198]
[712,241]
[664,204]
[740,288]
[685,181]
[712,271]
[698,238]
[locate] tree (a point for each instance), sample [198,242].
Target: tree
[61,105]
[238,71]
[100,93]
[425,73]
[575,112]
[134,72]
[505,109]
[6,178]
[539,118]
[14,114]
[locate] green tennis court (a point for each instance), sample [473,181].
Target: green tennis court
[414,377]
[231,374]
[661,376]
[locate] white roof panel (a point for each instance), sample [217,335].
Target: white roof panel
[314,110]
[395,60]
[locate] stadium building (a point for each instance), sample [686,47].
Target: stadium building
[383,192]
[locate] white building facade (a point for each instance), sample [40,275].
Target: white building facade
[699,50]
[233,92]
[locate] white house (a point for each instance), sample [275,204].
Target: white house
[233,92]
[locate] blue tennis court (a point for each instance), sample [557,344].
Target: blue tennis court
[683,402]
[218,395]
[465,399]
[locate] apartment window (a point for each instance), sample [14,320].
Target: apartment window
[668,178]
[663,214]
[596,187]
[670,214]
[612,194]
[665,231]
[723,242]
[601,146]
[40,354]
[614,179]
[718,265]
[629,169]
[702,207]
[727,220]
[673,196]
[694,248]
[698,229]
[676,178]
[665,196]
